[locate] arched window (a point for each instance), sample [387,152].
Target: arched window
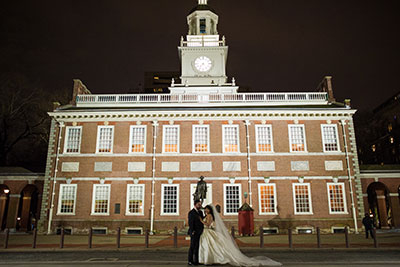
[203,26]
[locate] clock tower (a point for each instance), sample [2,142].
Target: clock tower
[203,55]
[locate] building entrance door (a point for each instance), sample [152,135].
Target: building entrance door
[379,204]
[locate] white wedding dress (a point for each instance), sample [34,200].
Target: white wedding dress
[218,247]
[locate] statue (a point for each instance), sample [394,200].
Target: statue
[201,190]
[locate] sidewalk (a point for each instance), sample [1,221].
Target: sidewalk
[24,241]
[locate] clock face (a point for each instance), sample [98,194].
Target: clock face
[203,64]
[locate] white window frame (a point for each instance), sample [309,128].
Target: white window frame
[67,136]
[127,212]
[324,141]
[208,138]
[237,138]
[94,200]
[98,139]
[59,199]
[259,200]
[162,213]
[131,139]
[258,138]
[290,137]
[133,228]
[344,199]
[309,199]
[101,228]
[305,228]
[164,138]
[240,199]
[333,228]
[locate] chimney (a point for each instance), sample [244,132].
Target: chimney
[79,89]
[326,86]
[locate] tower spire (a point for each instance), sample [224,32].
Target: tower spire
[202,2]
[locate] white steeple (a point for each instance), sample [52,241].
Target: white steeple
[202,2]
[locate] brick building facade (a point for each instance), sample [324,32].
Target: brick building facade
[133,161]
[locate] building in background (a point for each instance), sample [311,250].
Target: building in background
[160,81]
[133,161]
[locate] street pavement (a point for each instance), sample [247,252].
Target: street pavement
[158,257]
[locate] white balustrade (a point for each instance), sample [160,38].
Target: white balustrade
[313,98]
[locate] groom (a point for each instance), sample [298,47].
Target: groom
[196,228]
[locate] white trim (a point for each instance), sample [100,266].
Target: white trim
[309,198]
[127,213]
[67,136]
[162,213]
[193,138]
[94,198]
[259,200]
[59,199]
[271,228]
[344,198]
[98,139]
[240,198]
[257,138]
[178,138]
[237,138]
[324,141]
[290,137]
[131,139]
[337,227]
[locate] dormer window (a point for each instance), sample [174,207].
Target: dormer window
[202,26]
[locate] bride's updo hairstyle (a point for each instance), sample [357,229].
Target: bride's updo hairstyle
[211,211]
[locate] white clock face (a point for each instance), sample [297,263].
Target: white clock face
[203,64]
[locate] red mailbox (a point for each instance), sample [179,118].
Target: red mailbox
[246,220]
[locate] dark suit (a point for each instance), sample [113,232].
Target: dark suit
[196,228]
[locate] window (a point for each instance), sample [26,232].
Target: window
[202,26]
[297,138]
[135,199]
[337,198]
[201,135]
[169,199]
[267,198]
[232,198]
[171,139]
[264,138]
[105,136]
[138,139]
[67,199]
[302,199]
[230,138]
[330,137]
[304,230]
[73,139]
[101,199]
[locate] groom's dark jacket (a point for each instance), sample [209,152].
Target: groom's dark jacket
[195,224]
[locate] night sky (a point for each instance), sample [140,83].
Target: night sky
[274,45]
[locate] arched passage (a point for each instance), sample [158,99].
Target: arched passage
[379,204]
[4,201]
[28,208]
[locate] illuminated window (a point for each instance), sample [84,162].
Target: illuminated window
[67,199]
[171,139]
[169,199]
[330,137]
[297,138]
[337,198]
[135,199]
[373,148]
[101,199]
[202,26]
[201,138]
[391,140]
[156,78]
[267,198]
[105,136]
[264,138]
[138,139]
[73,139]
[232,198]
[302,199]
[390,127]
[230,138]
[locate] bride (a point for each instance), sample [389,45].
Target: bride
[218,247]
